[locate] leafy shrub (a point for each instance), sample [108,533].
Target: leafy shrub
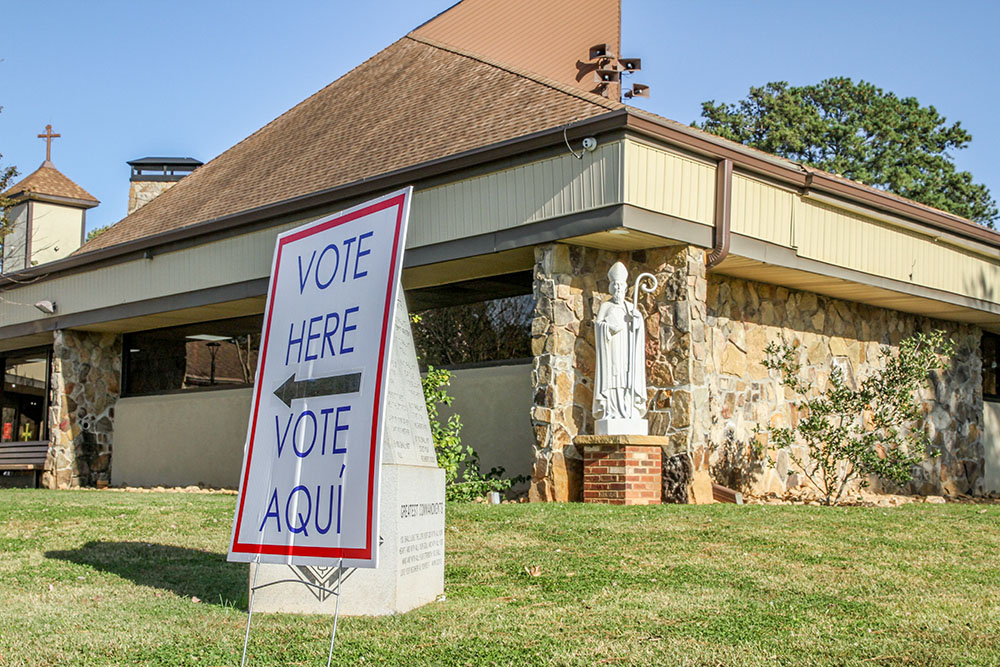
[850,434]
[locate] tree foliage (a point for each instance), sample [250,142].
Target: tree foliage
[7,174]
[859,131]
[475,332]
[96,231]
[851,433]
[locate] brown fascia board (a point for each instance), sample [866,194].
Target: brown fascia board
[718,149]
[807,179]
[690,140]
[929,217]
[25,195]
[596,125]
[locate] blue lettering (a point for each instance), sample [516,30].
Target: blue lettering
[310,337]
[328,333]
[337,428]
[277,429]
[301,528]
[295,438]
[347,244]
[333,274]
[294,341]
[277,518]
[319,528]
[361,253]
[303,277]
[340,504]
[347,327]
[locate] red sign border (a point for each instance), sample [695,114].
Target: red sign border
[364,553]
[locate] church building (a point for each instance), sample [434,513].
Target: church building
[532,176]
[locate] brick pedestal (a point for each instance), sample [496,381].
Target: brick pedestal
[622,469]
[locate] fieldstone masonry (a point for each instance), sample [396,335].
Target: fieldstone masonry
[707,387]
[86,376]
[744,317]
[570,286]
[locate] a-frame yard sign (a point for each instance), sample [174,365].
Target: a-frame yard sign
[309,487]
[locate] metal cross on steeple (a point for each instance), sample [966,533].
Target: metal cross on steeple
[48,136]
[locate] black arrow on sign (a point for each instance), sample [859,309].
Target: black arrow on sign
[291,390]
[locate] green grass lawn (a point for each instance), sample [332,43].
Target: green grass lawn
[108,578]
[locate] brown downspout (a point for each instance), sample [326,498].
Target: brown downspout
[723,212]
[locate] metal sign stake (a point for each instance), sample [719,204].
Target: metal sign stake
[253,589]
[336,610]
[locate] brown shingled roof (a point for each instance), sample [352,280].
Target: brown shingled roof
[49,181]
[413,102]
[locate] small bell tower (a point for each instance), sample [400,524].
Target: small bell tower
[48,215]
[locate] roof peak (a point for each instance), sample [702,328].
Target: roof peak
[47,181]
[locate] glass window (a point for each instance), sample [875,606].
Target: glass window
[991,353]
[24,396]
[475,333]
[207,355]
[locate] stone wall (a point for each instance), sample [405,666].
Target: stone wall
[141,193]
[85,385]
[744,317]
[707,386]
[570,285]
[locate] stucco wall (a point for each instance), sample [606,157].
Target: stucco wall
[13,243]
[991,438]
[181,439]
[56,231]
[495,407]
[191,438]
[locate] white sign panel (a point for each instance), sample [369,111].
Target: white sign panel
[309,487]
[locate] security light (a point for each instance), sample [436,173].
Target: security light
[47,307]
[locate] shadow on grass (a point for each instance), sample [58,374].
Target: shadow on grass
[186,572]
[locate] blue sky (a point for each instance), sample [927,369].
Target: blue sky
[122,80]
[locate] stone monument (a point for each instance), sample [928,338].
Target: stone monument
[411,522]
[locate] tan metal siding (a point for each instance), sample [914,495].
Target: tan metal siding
[762,211]
[220,263]
[835,236]
[669,183]
[517,196]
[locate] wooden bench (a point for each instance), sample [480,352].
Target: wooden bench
[24,456]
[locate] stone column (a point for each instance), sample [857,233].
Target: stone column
[570,285]
[85,385]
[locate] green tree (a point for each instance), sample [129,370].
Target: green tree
[96,231]
[861,132]
[6,175]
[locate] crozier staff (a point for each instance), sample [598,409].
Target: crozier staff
[620,379]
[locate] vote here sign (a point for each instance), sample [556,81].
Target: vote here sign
[309,485]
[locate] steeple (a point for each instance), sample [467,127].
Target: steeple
[48,215]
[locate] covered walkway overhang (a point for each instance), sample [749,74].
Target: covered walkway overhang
[480,214]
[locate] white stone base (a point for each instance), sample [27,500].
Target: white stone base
[411,557]
[621,427]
